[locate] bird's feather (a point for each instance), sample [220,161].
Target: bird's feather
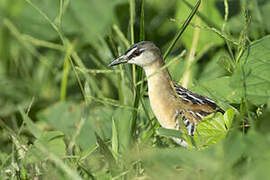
[195,106]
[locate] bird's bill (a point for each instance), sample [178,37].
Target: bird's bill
[120,60]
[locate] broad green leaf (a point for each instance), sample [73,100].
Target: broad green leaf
[62,116]
[52,141]
[228,117]
[210,131]
[213,128]
[252,74]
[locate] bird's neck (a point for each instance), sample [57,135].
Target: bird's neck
[157,74]
[161,94]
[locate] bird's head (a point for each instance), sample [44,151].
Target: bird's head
[142,54]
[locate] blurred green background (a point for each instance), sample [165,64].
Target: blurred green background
[56,90]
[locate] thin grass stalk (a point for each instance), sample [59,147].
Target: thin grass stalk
[181,30]
[56,28]
[211,29]
[42,43]
[121,35]
[20,37]
[139,72]
[226,15]
[47,19]
[203,17]
[131,24]
[66,69]
[60,14]
[115,144]
[63,90]
[196,35]
[78,79]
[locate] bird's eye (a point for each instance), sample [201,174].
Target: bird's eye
[134,54]
[137,52]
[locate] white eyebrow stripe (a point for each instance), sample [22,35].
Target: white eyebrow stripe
[131,51]
[142,49]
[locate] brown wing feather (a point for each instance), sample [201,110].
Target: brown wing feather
[197,106]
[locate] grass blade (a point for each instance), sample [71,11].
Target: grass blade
[139,72]
[203,17]
[105,151]
[169,133]
[142,33]
[182,29]
[66,69]
[115,144]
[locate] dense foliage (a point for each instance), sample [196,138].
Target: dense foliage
[65,115]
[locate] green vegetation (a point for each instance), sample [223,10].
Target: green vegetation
[65,115]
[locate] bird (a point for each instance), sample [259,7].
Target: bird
[168,100]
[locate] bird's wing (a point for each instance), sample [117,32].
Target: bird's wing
[196,106]
[193,98]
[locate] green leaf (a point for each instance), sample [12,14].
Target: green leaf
[52,141]
[62,116]
[213,128]
[251,76]
[228,117]
[210,131]
[115,144]
[30,125]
